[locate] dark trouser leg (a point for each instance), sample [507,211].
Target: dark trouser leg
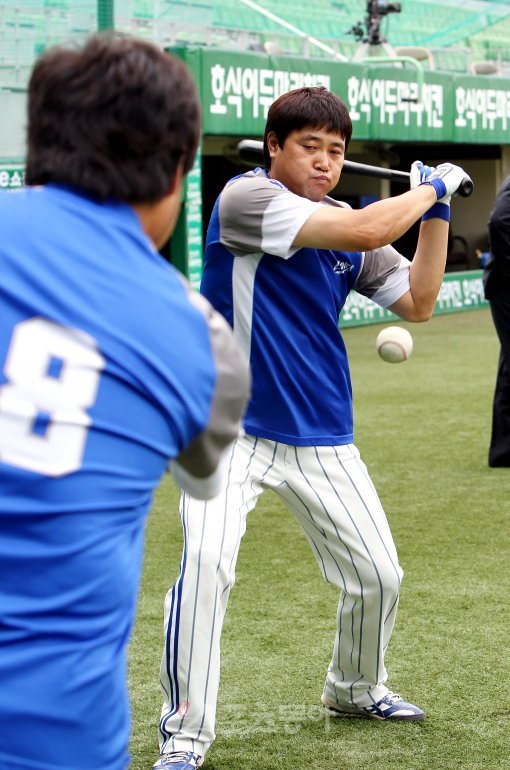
[499,450]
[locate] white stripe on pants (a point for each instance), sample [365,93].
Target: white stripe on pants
[330,492]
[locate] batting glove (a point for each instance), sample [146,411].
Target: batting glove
[419,173]
[446,180]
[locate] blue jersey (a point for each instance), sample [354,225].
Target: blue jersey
[284,306]
[106,373]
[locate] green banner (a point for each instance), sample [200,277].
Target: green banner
[193,215]
[459,291]
[386,102]
[11,177]
[186,244]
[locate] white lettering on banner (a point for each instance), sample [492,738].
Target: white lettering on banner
[240,88]
[482,108]
[450,295]
[384,100]
[472,290]
[460,294]
[11,178]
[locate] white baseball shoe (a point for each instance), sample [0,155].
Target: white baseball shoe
[391,707]
[179,760]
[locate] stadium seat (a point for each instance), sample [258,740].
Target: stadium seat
[436,32]
[484,68]
[273,48]
[420,53]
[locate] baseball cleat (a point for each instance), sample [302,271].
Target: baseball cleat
[179,760]
[391,707]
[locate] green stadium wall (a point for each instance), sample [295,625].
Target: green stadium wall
[385,102]
[459,291]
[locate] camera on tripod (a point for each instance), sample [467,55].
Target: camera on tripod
[376,9]
[381,8]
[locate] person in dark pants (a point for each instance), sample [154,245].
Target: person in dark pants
[497,292]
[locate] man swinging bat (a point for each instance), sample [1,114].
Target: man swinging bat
[280,260]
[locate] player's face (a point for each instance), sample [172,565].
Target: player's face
[309,163]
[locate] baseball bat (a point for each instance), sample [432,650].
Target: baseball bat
[252,151]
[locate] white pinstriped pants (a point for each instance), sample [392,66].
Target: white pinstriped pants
[330,492]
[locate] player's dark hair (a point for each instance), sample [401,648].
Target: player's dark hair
[310,106]
[115,118]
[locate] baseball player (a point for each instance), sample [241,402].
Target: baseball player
[280,260]
[94,398]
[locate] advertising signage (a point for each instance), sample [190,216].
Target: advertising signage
[386,102]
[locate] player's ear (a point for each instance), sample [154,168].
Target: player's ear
[272,143]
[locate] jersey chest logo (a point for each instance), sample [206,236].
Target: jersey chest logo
[342,267]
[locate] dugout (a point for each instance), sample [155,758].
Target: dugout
[399,114]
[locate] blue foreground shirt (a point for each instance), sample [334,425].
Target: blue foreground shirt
[106,373]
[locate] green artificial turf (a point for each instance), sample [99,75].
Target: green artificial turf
[423,429]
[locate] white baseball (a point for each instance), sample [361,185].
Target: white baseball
[394,344]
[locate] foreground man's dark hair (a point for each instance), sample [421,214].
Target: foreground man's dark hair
[115,118]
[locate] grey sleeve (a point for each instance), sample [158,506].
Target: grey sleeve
[198,467]
[384,276]
[258,214]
